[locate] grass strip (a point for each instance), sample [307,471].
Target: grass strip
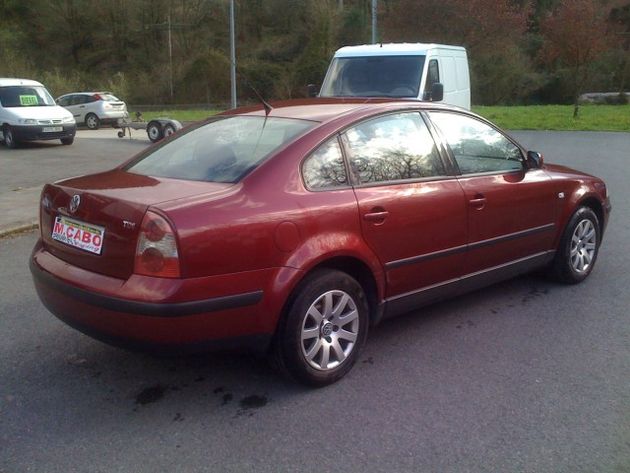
[191,115]
[558,117]
[530,117]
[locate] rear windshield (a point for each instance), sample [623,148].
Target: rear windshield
[224,150]
[109,98]
[25,96]
[373,76]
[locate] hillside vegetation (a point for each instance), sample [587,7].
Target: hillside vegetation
[521,52]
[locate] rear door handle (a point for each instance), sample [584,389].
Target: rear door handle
[478,202]
[376,217]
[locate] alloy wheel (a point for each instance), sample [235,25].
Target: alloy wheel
[330,330]
[583,246]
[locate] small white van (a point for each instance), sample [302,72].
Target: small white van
[433,72]
[28,112]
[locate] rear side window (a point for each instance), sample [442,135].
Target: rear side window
[476,146]
[392,148]
[78,99]
[325,169]
[224,150]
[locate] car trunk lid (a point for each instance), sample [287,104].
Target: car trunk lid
[113,203]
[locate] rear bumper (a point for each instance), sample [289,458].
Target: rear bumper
[112,116]
[36,132]
[242,320]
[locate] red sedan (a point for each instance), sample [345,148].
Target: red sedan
[294,231]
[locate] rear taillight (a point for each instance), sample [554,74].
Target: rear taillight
[156,252]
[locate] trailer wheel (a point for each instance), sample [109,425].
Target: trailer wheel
[155,131]
[168,130]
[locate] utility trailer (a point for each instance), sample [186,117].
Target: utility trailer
[156,128]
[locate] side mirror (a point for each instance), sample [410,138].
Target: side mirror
[312,90]
[437,92]
[534,160]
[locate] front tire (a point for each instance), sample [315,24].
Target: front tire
[67,141]
[9,139]
[578,249]
[324,328]
[92,121]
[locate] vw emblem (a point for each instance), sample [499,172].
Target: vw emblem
[327,329]
[74,203]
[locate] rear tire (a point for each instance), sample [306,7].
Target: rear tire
[92,121]
[9,139]
[578,249]
[168,130]
[325,326]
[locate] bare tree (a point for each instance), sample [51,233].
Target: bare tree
[575,33]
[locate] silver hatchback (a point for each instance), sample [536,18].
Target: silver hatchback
[94,108]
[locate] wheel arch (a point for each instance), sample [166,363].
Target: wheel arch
[596,206]
[582,197]
[351,265]
[362,273]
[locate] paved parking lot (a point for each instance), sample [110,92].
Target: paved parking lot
[526,376]
[23,171]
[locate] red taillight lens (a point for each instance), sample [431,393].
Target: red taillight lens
[156,253]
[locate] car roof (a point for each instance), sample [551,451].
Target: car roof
[12,82]
[327,109]
[87,93]
[392,49]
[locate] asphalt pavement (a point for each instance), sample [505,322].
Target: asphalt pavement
[524,376]
[25,170]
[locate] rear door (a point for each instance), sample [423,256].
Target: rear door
[511,209]
[413,214]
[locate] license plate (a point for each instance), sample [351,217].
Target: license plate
[52,129]
[81,235]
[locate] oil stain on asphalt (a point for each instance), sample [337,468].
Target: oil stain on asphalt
[253,402]
[150,394]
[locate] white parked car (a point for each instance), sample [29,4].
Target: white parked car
[94,108]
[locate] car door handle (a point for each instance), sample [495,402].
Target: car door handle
[376,217]
[478,202]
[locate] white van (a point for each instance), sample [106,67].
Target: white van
[434,72]
[28,112]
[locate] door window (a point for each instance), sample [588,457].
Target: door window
[325,167]
[77,100]
[392,148]
[476,146]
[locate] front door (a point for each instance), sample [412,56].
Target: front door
[509,216]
